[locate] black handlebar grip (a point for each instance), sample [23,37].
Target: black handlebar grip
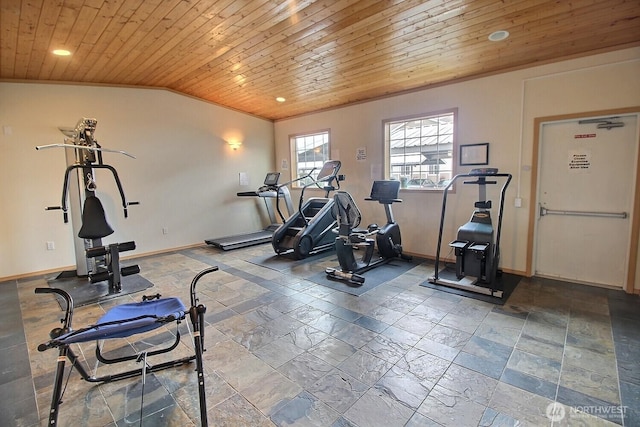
[129,270]
[97,251]
[99,277]
[126,246]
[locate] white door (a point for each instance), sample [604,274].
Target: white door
[585,194]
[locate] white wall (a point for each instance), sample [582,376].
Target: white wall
[500,110]
[185,176]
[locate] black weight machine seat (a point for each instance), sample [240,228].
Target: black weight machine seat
[94,220]
[95,227]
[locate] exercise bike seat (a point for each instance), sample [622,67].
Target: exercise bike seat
[346,211]
[358,238]
[362,234]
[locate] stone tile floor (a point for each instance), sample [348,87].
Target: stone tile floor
[285,351]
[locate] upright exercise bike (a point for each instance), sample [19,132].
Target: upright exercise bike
[387,238]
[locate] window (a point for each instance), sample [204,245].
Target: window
[419,150]
[309,151]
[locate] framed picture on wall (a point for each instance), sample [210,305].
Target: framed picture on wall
[474,154]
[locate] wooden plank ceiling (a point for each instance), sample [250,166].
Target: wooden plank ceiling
[317,54]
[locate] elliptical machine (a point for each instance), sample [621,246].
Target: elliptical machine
[308,231]
[477,246]
[387,237]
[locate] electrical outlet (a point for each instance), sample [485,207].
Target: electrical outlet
[51,246]
[518,202]
[165,230]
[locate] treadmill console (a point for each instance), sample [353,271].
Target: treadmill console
[270,184]
[271,180]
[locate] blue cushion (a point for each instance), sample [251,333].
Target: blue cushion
[128,319]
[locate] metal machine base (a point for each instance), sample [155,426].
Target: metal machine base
[467,283]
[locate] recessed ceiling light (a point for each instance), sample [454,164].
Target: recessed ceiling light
[61,52]
[280,99]
[499,35]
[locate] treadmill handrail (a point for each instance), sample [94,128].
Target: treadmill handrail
[316,181]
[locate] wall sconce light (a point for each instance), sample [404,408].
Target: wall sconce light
[234,144]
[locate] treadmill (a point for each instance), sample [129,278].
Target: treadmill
[269,190]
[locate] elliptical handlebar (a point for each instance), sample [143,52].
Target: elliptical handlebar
[279,186]
[328,173]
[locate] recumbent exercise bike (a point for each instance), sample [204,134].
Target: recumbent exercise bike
[387,238]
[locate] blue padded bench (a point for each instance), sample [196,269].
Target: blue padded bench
[123,321]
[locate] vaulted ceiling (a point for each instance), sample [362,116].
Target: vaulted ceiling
[316,54]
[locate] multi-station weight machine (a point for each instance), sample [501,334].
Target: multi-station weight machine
[94,260]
